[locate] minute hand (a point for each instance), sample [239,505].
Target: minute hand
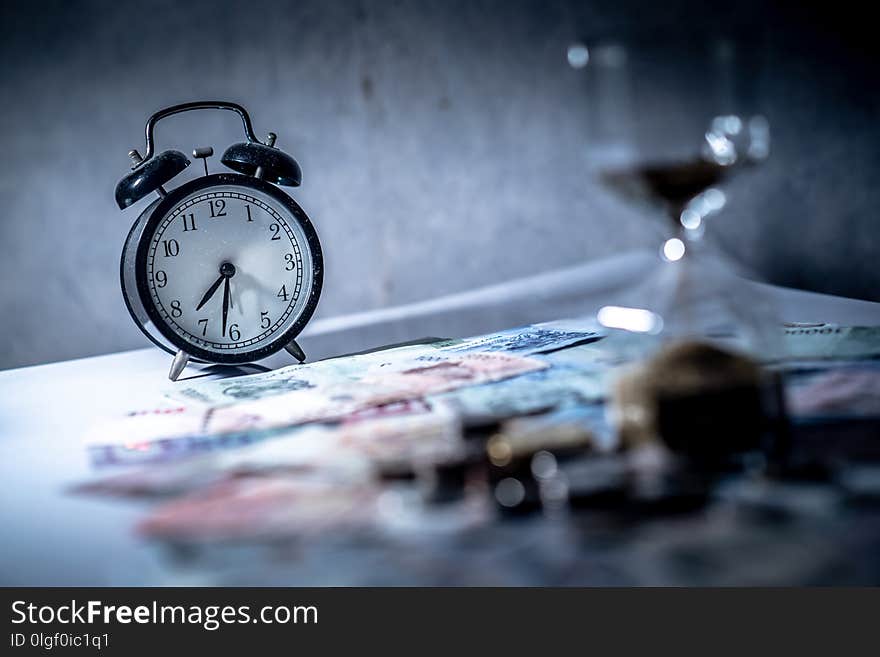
[210,292]
[225,303]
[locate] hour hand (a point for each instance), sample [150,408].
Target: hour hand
[210,292]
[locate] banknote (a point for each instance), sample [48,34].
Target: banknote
[401,431]
[523,341]
[830,341]
[169,447]
[263,508]
[178,465]
[317,479]
[850,389]
[410,438]
[165,434]
[529,340]
[160,435]
[294,377]
[440,374]
[553,387]
[351,449]
[434,374]
[414,406]
[800,344]
[194,433]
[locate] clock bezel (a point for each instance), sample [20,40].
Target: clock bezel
[158,212]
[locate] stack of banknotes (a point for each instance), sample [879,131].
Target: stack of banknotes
[496,424]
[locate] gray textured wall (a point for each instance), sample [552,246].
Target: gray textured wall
[442,144]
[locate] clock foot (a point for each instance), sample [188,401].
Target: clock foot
[181,358]
[295,350]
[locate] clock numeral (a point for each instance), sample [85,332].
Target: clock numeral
[172,248]
[204,326]
[218,208]
[161,278]
[275,229]
[234,333]
[265,322]
[288,258]
[282,293]
[247,209]
[176,310]
[189,222]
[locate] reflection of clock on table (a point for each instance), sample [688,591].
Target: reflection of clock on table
[226,268]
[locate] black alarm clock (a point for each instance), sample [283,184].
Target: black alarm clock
[226,268]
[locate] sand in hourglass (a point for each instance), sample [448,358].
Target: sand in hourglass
[670,185]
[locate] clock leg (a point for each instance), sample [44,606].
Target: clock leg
[295,350]
[181,358]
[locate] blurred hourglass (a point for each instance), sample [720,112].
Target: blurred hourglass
[671,121]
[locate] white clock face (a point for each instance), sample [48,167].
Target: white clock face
[229,269]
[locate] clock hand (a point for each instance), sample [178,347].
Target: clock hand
[210,292]
[227,271]
[225,302]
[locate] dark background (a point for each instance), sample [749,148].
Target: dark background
[442,144]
